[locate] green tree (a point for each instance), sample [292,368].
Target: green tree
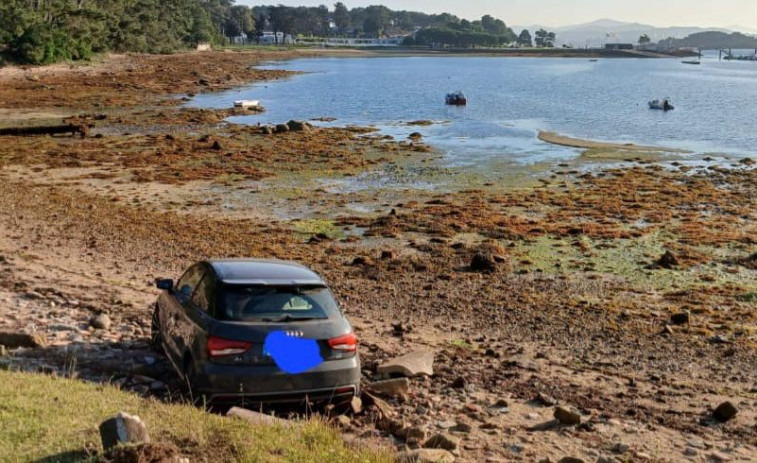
[493,25]
[376,20]
[544,39]
[524,39]
[341,18]
[202,26]
[644,40]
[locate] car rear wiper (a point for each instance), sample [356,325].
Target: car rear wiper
[288,318]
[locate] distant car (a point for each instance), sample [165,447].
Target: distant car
[218,322]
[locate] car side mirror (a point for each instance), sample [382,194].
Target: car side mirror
[164,284]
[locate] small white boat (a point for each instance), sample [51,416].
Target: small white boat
[246,103]
[662,104]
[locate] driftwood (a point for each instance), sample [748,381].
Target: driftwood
[73,129]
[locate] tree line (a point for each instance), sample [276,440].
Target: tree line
[443,30]
[45,31]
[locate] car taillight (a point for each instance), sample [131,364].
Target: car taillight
[346,343]
[219,347]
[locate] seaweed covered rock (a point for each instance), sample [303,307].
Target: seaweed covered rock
[298,126]
[488,258]
[668,261]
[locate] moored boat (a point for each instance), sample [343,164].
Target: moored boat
[662,104]
[456,99]
[246,103]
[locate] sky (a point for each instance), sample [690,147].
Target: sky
[556,13]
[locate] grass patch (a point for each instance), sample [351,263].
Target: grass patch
[750,297]
[42,417]
[312,227]
[461,343]
[628,259]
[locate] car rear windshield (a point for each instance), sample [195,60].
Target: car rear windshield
[280,303]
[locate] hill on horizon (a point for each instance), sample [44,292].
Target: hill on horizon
[602,31]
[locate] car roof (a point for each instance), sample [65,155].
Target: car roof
[266,272]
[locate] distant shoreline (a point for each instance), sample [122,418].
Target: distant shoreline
[503,52]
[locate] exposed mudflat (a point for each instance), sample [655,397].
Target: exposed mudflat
[628,292]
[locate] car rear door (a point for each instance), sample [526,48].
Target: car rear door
[196,318]
[173,311]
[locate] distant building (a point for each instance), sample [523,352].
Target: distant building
[350,42]
[619,46]
[394,41]
[272,38]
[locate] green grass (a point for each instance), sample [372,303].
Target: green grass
[461,343]
[311,227]
[627,259]
[56,419]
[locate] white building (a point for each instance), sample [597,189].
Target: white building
[351,42]
[271,38]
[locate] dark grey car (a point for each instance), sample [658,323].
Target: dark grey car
[213,324]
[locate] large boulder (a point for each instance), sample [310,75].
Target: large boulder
[298,126]
[384,409]
[123,429]
[396,388]
[14,340]
[282,128]
[416,363]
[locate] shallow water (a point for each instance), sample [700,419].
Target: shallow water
[511,99]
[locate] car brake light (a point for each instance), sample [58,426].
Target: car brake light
[219,347]
[346,343]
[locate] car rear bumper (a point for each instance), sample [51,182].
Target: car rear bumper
[331,381]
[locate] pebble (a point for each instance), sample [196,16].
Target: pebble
[725,412]
[441,441]
[446,424]
[464,428]
[545,400]
[717,456]
[567,416]
[33,295]
[681,318]
[101,322]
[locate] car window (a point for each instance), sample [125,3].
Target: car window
[188,282]
[250,303]
[204,295]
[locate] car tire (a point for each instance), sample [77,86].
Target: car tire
[156,337]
